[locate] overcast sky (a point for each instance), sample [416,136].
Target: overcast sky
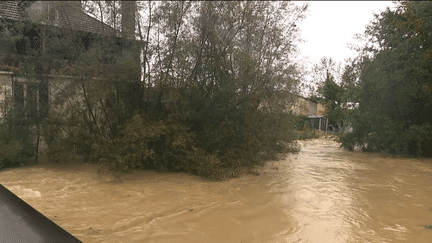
[331,25]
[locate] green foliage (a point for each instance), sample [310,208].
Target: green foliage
[271,133]
[302,123]
[333,99]
[17,146]
[212,98]
[394,83]
[335,88]
[62,141]
[146,143]
[419,139]
[168,145]
[134,149]
[307,134]
[302,131]
[375,135]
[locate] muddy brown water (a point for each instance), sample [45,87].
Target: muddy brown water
[322,194]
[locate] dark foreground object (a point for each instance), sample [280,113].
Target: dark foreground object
[20,222]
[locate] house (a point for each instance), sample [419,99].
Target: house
[294,103]
[32,85]
[314,110]
[300,105]
[307,107]
[318,122]
[321,108]
[40,22]
[304,106]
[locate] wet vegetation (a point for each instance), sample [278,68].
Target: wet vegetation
[303,130]
[16,145]
[209,95]
[385,93]
[394,88]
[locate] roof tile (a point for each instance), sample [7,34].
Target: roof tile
[9,10]
[70,16]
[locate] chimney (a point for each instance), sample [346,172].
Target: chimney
[128,9]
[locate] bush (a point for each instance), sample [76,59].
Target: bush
[307,134]
[169,145]
[302,123]
[17,146]
[386,135]
[207,166]
[58,139]
[419,140]
[146,143]
[135,148]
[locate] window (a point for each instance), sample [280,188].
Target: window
[53,13]
[43,99]
[18,98]
[31,100]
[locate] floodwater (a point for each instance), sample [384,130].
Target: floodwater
[322,194]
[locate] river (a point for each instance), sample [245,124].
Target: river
[321,194]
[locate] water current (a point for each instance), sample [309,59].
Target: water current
[321,194]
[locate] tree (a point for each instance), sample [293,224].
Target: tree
[328,91]
[326,66]
[208,68]
[333,99]
[394,82]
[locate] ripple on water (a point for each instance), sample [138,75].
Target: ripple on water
[321,194]
[24,192]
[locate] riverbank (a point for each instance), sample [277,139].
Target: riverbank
[223,174]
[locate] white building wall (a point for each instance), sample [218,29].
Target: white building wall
[5,92]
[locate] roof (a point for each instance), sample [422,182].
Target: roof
[316,116]
[67,16]
[299,96]
[9,10]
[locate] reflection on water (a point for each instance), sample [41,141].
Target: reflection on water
[322,194]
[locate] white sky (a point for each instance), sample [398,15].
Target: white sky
[331,25]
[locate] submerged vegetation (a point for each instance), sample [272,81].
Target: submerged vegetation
[16,145]
[385,93]
[302,129]
[210,96]
[393,83]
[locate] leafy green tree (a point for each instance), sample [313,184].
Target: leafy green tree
[332,93]
[320,72]
[394,82]
[215,76]
[212,65]
[327,75]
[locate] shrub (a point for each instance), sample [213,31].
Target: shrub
[207,166]
[419,140]
[59,139]
[386,135]
[146,143]
[133,149]
[302,123]
[169,145]
[17,146]
[307,134]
